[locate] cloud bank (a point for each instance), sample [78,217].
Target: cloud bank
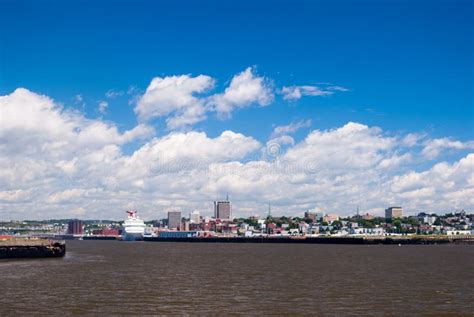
[55,162]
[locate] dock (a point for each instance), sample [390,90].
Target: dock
[13,248]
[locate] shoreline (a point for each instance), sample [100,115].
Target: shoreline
[322,240]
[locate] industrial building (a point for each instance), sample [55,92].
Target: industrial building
[394,212]
[75,227]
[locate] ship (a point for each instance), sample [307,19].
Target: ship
[133,227]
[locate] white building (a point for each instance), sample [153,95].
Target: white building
[367,231]
[429,220]
[304,227]
[458,232]
[195,217]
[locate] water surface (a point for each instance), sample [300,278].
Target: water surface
[149,278]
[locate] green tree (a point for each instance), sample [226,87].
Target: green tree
[398,224]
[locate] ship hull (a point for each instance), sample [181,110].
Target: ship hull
[132,237]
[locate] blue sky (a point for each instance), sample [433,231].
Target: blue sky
[406,66]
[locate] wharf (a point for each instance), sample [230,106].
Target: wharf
[31,248]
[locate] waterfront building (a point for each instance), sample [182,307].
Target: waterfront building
[303,227]
[75,227]
[314,215]
[106,232]
[330,218]
[367,231]
[223,210]
[367,216]
[429,220]
[174,220]
[194,217]
[313,229]
[177,234]
[459,232]
[185,225]
[271,227]
[394,212]
[310,215]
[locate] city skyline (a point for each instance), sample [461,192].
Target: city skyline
[301,113]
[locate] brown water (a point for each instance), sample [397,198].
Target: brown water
[149,278]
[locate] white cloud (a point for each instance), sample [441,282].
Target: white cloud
[244,90]
[58,163]
[296,92]
[103,105]
[336,88]
[13,195]
[141,131]
[113,93]
[395,160]
[354,145]
[73,195]
[174,95]
[78,98]
[413,139]
[197,148]
[290,128]
[444,186]
[37,136]
[434,147]
[181,98]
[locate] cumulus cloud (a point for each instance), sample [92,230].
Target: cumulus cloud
[395,160]
[183,101]
[58,163]
[296,92]
[244,90]
[434,147]
[174,95]
[197,147]
[450,185]
[413,139]
[37,136]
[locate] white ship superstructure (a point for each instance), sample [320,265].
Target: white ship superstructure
[133,227]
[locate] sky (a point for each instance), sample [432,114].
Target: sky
[107,106]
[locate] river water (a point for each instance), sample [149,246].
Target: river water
[153,278]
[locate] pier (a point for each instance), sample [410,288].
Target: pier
[31,248]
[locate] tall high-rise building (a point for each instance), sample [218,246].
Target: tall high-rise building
[174,220]
[75,227]
[394,212]
[222,210]
[194,217]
